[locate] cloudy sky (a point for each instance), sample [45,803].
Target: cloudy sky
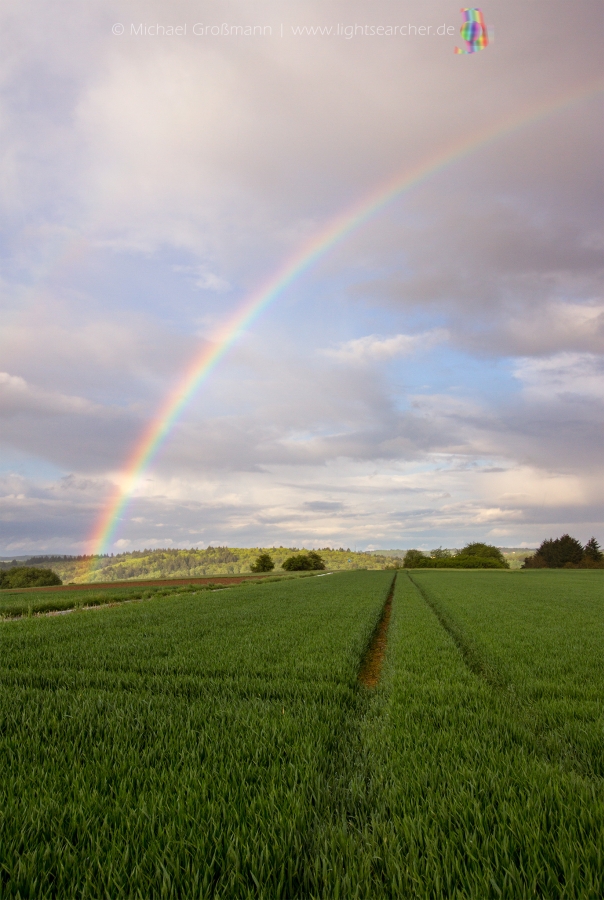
[435,378]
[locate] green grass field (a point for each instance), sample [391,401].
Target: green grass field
[21,602]
[219,744]
[31,602]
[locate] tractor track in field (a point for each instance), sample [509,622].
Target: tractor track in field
[547,740]
[371,666]
[471,655]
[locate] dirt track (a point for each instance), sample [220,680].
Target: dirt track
[371,667]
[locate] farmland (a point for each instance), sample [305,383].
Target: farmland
[219,744]
[32,601]
[480,772]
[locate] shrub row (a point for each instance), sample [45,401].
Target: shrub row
[473,556]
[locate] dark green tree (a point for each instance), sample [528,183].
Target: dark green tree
[264,563]
[28,576]
[303,562]
[439,553]
[484,551]
[536,561]
[555,554]
[592,550]
[412,558]
[316,560]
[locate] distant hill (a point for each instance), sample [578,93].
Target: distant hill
[190,563]
[213,561]
[397,553]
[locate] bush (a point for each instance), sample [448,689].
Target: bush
[303,562]
[28,576]
[483,551]
[479,562]
[473,556]
[457,562]
[263,563]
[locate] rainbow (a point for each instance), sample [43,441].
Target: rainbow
[168,414]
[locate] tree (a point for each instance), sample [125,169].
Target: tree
[484,551]
[439,553]
[555,554]
[303,562]
[28,576]
[592,551]
[263,563]
[536,561]
[412,558]
[316,560]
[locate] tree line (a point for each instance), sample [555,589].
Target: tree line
[566,552]
[472,556]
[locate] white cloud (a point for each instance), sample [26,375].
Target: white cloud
[374,348]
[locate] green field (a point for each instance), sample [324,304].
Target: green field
[219,744]
[36,601]
[31,602]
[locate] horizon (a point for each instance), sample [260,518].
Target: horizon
[376,551]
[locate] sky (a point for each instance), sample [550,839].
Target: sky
[434,378]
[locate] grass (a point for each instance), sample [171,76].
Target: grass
[31,601]
[459,787]
[180,747]
[220,745]
[540,636]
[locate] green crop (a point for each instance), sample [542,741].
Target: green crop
[180,747]
[219,745]
[32,602]
[477,770]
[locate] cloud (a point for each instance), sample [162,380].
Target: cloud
[17,396]
[543,329]
[205,280]
[373,348]
[68,431]
[507,276]
[566,377]
[324,505]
